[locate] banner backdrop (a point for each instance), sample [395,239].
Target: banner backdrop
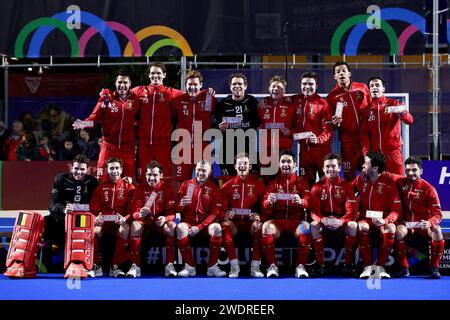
[119,28]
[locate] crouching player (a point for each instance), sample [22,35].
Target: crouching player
[199,203]
[334,208]
[111,204]
[379,208]
[153,211]
[68,192]
[285,200]
[422,216]
[241,204]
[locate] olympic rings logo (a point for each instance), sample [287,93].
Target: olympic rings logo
[44,26]
[397,44]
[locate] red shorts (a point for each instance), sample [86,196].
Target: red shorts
[394,161]
[311,162]
[126,153]
[352,160]
[286,225]
[157,151]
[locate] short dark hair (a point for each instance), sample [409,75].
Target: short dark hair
[377,159]
[157,64]
[279,79]
[376,78]
[414,160]
[114,159]
[238,75]
[332,156]
[310,74]
[124,73]
[194,74]
[341,63]
[80,158]
[155,164]
[287,153]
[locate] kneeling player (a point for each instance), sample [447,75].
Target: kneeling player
[334,208]
[379,208]
[285,200]
[111,204]
[153,207]
[241,204]
[422,216]
[199,202]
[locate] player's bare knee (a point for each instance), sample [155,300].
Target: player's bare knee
[98,231]
[351,228]
[215,230]
[389,228]
[169,228]
[303,228]
[267,228]
[182,230]
[316,229]
[401,232]
[135,229]
[363,226]
[436,233]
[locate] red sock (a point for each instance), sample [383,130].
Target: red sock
[228,242]
[135,250]
[120,252]
[186,251]
[318,249]
[97,260]
[437,249]
[350,243]
[256,255]
[364,248]
[269,248]
[385,248]
[214,250]
[304,245]
[401,251]
[170,249]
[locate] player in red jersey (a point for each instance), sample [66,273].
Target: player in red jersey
[422,216]
[199,203]
[241,206]
[334,209]
[379,209]
[380,127]
[153,212]
[111,204]
[285,200]
[349,98]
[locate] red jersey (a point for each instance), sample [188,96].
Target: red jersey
[420,201]
[379,196]
[242,194]
[381,131]
[333,197]
[187,109]
[110,198]
[313,114]
[154,119]
[283,113]
[118,118]
[163,203]
[206,203]
[354,100]
[286,209]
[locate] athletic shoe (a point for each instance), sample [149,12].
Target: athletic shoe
[300,272]
[255,272]
[75,270]
[403,272]
[116,272]
[434,273]
[187,271]
[215,271]
[382,272]
[367,272]
[234,271]
[96,271]
[170,271]
[134,271]
[272,271]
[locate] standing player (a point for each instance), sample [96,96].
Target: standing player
[117,113]
[111,204]
[153,211]
[314,116]
[351,98]
[199,202]
[422,216]
[285,200]
[334,208]
[241,204]
[238,110]
[194,105]
[154,126]
[380,127]
[379,208]
[69,190]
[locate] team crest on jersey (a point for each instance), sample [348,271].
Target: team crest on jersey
[185,109]
[145,98]
[114,107]
[294,190]
[236,195]
[120,194]
[106,195]
[250,191]
[380,188]
[371,116]
[202,105]
[246,109]
[162,96]
[324,195]
[364,187]
[417,195]
[280,189]
[311,108]
[160,196]
[359,96]
[130,104]
[266,113]
[283,111]
[299,110]
[338,193]
[206,193]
